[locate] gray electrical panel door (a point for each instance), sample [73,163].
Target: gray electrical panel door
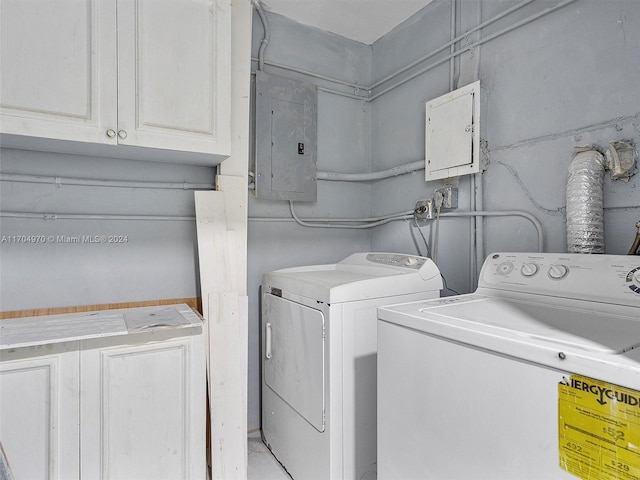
[286,139]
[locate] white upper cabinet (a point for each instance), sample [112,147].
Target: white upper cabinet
[125,73]
[58,69]
[173,74]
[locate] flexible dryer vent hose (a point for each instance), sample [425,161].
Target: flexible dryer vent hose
[585,213]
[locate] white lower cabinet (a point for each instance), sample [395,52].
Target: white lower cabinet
[39,411]
[142,414]
[125,407]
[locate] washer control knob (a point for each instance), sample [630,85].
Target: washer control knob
[636,277]
[558,271]
[529,269]
[505,268]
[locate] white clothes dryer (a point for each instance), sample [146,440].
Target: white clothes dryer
[319,357]
[534,376]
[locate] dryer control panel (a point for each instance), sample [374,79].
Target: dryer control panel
[608,278]
[397,260]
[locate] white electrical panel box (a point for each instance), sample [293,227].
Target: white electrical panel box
[452,141]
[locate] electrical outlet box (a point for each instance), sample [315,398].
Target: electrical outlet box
[423,210]
[452,140]
[450,196]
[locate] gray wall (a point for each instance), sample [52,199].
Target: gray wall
[156,259]
[566,79]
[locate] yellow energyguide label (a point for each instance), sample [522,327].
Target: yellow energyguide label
[599,429]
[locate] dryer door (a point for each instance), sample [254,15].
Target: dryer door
[293,356]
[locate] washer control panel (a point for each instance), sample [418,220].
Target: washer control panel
[633,280]
[593,277]
[530,269]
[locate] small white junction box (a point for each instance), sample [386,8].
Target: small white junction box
[452,146]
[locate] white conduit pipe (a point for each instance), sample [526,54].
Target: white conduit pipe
[478,186]
[477,50]
[360,220]
[479,225]
[363,177]
[319,76]
[264,43]
[507,213]
[347,95]
[86,182]
[473,232]
[101,216]
[325,223]
[326,220]
[452,48]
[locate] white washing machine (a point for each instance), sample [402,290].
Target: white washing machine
[319,347]
[534,376]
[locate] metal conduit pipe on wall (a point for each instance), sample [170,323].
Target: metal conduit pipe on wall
[507,213]
[98,216]
[478,186]
[87,182]
[326,222]
[267,33]
[364,177]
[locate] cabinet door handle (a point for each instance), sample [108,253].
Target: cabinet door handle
[122,133]
[111,133]
[267,348]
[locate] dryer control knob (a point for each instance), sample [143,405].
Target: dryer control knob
[410,261]
[558,271]
[636,278]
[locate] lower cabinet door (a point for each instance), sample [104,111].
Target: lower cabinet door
[143,407]
[39,411]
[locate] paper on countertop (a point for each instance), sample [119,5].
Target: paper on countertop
[170,317]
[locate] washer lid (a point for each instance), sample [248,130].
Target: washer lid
[358,277]
[561,325]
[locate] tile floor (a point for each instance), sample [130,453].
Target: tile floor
[263,465]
